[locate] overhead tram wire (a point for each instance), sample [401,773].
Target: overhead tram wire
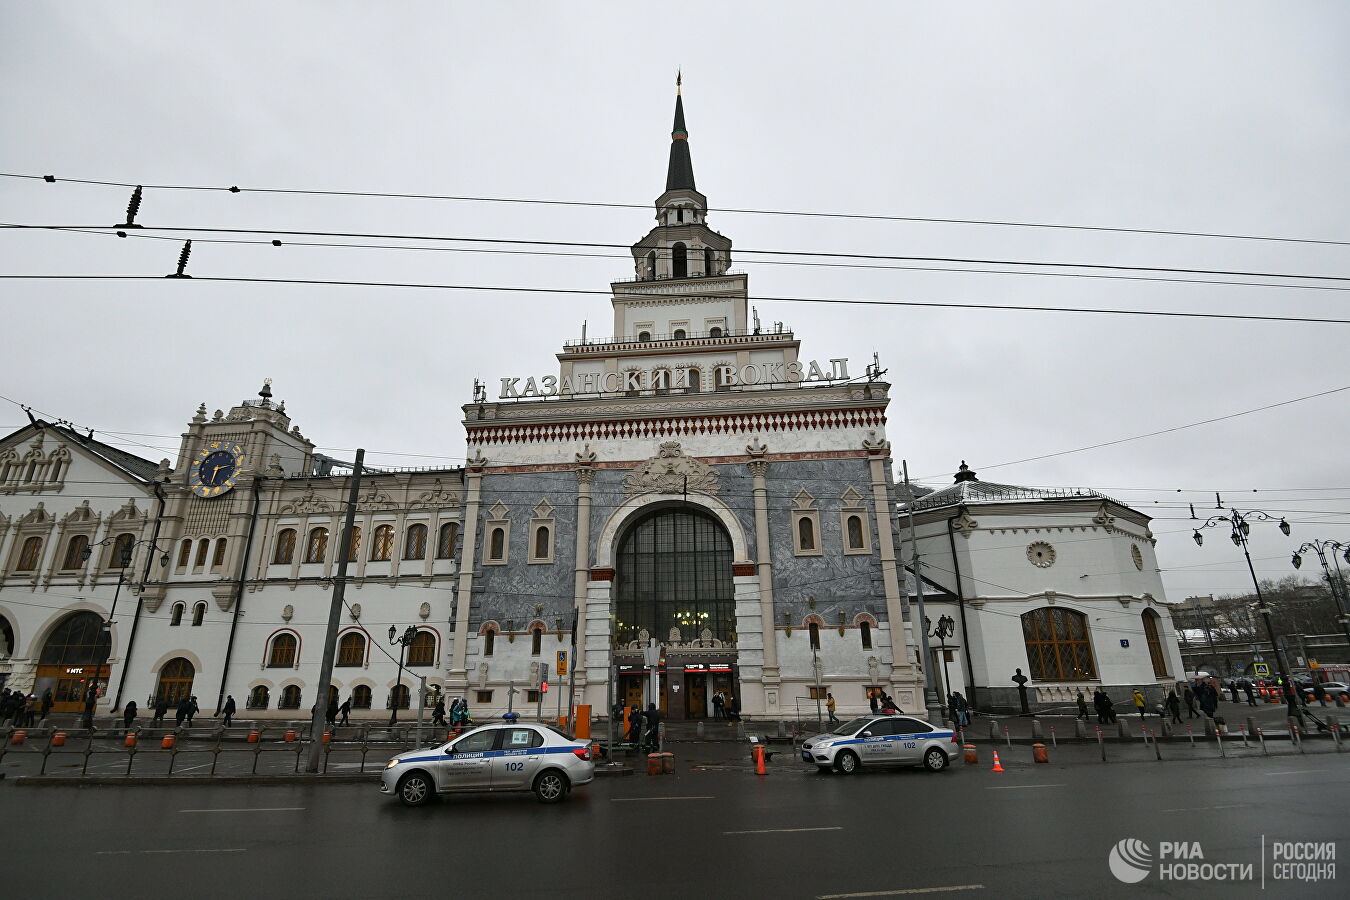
[875,217]
[752,262]
[918,304]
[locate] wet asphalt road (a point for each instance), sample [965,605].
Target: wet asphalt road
[1033,831]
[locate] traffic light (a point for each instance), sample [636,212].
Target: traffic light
[543,674]
[543,686]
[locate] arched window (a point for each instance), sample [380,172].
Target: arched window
[75,552]
[290,697]
[382,548]
[198,614]
[543,546]
[422,650]
[354,545]
[80,640]
[6,638]
[680,334]
[806,533]
[1155,648]
[536,640]
[1057,644]
[720,379]
[644,336]
[184,553]
[119,555]
[176,615]
[707,261]
[352,649]
[218,559]
[175,681]
[497,545]
[29,556]
[361,696]
[489,642]
[400,697]
[679,216]
[282,654]
[651,265]
[661,381]
[259,697]
[445,544]
[814,630]
[203,547]
[694,380]
[316,548]
[415,542]
[715,331]
[673,570]
[285,550]
[679,260]
[865,633]
[855,533]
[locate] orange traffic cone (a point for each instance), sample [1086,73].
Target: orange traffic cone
[998,766]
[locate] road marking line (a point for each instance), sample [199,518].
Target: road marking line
[787,830]
[1200,808]
[1018,787]
[248,809]
[129,852]
[631,799]
[1298,772]
[896,893]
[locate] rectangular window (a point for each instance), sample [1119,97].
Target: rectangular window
[818,693]
[484,696]
[532,696]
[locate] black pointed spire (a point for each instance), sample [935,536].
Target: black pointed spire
[680,172]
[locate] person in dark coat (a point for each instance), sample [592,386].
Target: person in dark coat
[344,711]
[192,709]
[873,701]
[1233,690]
[718,702]
[228,709]
[1209,699]
[652,721]
[180,712]
[1082,706]
[330,714]
[1189,696]
[438,712]
[962,708]
[1173,705]
[48,701]
[129,715]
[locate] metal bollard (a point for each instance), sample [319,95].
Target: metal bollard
[1157,751]
[1191,734]
[1298,736]
[1261,736]
[1037,733]
[1218,739]
[993,733]
[1053,742]
[1007,736]
[1101,743]
[1244,736]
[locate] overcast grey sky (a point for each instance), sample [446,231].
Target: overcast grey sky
[1197,116]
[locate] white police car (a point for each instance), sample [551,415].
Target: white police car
[882,740]
[507,756]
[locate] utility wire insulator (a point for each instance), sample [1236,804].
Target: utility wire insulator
[182,261]
[132,208]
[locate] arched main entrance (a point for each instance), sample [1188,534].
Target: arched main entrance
[72,659]
[673,582]
[175,681]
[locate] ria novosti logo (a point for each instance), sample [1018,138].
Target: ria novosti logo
[1131,860]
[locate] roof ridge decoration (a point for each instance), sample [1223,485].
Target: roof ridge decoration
[670,471]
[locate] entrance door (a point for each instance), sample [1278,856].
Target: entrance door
[175,681]
[724,684]
[696,696]
[632,690]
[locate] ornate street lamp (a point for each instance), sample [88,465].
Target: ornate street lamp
[1338,582]
[402,640]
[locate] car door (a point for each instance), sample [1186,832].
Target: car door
[467,765]
[516,759]
[877,742]
[909,740]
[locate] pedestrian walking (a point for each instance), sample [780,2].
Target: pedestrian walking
[634,724]
[1189,696]
[180,713]
[228,709]
[1233,690]
[344,711]
[873,701]
[48,701]
[21,710]
[1319,693]
[1082,706]
[962,708]
[1139,702]
[1251,694]
[829,708]
[192,709]
[330,714]
[438,712]
[161,707]
[719,705]
[129,715]
[1173,705]
[652,719]
[1209,699]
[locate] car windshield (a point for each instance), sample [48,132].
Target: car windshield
[853,726]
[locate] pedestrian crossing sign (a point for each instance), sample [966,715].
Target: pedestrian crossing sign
[1262,669]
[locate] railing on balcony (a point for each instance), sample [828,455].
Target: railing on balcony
[758,335]
[632,279]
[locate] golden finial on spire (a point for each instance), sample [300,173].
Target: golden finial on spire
[679,76]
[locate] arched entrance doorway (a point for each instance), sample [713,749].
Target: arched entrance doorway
[175,681]
[72,659]
[673,582]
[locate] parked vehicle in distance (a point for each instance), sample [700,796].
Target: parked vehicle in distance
[882,740]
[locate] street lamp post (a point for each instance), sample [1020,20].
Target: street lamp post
[1240,529]
[402,640]
[124,553]
[1337,583]
[946,627]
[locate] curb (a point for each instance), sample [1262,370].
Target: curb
[162,780]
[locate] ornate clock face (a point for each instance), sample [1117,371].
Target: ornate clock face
[1138,556]
[215,468]
[1041,554]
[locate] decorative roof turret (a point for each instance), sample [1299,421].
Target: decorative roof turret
[680,171]
[964,473]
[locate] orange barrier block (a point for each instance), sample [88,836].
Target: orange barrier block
[166,742]
[59,739]
[1038,753]
[130,741]
[18,737]
[972,754]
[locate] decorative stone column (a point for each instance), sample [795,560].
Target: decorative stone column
[458,677]
[759,468]
[581,566]
[878,451]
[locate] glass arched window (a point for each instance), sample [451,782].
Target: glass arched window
[361,696]
[382,548]
[445,544]
[176,615]
[316,548]
[218,559]
[6,637]
[651,265]
[285,550]
[694,380]
[184,553]
[813,629]
[644,336]
[855,533]
[543,544]
[354,545]
[865,633]
[720,378]
[203,547]
[175,681]
[679,334]
[679,260]
[715,331]
[198,614]
[259,697]
[422,650]
[120,553]
[352,649]
[536,640]
[806,533]
[1155,648]
[79,640]
[290,697]
[1057,644]
[75,552]
[673,570]
[282,654]
[489,642]
[707,261]
[29,556]
[400,697]
[415,542]
[497,546]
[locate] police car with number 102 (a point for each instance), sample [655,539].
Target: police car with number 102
[507,756]
[881,740]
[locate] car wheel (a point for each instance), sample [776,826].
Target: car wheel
[1345,697]
[415,789]
[550,787]
[847,762]
[934,760]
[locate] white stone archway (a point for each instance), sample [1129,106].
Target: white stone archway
[608,541]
